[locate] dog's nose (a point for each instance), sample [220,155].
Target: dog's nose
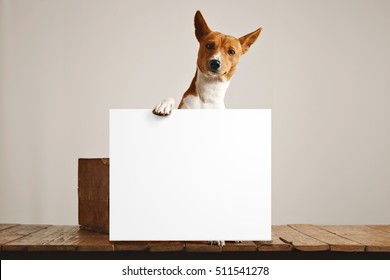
[215,64]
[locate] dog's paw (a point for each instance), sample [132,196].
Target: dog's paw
[219,242]
[165,107]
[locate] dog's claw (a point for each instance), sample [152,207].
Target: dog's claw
[159,113]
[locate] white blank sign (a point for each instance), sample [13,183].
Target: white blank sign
[194,175]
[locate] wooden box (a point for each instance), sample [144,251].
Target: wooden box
[93,191]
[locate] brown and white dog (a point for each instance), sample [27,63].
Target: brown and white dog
[217,60]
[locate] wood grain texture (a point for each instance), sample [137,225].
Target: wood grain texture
[284,238]
[131,245]
[385,228]
[93,215]
[60,242]
[166,246]
[10,234]
[93,192]
[299,240]
[201,246]
[336,243]
[5,226]
[92,241]
[274,245]
[93,175]
[374,240]
[244,246]
[23,229]
[38,240]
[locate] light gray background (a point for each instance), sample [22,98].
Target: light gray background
[322,66]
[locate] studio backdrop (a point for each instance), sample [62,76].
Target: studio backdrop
[323,67]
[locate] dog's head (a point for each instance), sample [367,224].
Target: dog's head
[219,53]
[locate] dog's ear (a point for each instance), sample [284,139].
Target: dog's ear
[247,40]
[201,28]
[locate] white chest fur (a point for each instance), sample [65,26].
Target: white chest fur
[211,94]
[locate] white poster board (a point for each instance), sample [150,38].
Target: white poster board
[194,175]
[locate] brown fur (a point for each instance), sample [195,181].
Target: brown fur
[222,44]
[229,48]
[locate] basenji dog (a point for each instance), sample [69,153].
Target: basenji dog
[218,57]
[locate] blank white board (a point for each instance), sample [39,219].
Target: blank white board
[194,175]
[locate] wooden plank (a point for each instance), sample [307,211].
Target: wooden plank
[299,240]
[131,245]
[244,246]
[385,228]
[336,242]
[60,242]
[22,229]
[201,246]
[71,240]
[5,226]
[79,240]
[375,240]
[8,238]
[274,245]
[37,240]
[94,243]
[166,246]
[16,232]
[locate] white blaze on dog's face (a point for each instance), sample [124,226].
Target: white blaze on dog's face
[218,53]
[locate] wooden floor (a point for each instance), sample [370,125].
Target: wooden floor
[302,237]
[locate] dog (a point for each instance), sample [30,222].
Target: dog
[218,57]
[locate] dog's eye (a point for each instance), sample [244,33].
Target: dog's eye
[231,52]
[210,46]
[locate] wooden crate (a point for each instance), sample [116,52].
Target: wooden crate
[93,190]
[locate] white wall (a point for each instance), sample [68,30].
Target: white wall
[322,66]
